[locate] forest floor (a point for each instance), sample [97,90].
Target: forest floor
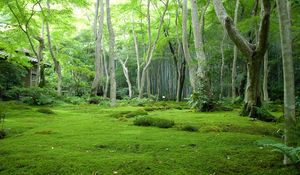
[89,139]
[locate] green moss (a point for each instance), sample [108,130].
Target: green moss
[45,111]
[83,140]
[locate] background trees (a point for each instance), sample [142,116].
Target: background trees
[166,45]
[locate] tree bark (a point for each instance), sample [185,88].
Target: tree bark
[136,47]
[187,56]
[288,72]
[266,74]
[151,47]
[113,85]
[106,75]
[235,54]
[39,73]
[198,27]
[222,66]
[56,62]
[254,52]
[98,33]
[126,74]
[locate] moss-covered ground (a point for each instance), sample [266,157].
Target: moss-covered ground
[90,139]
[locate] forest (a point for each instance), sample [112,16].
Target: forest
[195,87]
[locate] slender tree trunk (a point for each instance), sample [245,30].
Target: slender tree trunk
[136,47]
[98,33]
[126,74]
[235,54]
[56,62]
[113,86]
[106,75]
[222,66]
[288,73]
[151,47]
[266,74]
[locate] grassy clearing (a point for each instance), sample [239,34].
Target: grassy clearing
[85,139]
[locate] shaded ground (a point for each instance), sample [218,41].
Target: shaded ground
[86,139]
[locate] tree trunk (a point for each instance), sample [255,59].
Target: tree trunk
[266,74]
[39,79]
[126,74]
[106,75]
[151,47]
[198,40]
[187,56]
[254,52]
[113,85]
[136,46]
[288,73]
[235,54]
[56,62]
[98,32]
[222,66]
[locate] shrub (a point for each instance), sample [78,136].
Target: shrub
[129,114]
[164,123]
[32,96]
[2,134]
[190,128]
[135,113]
[144,121]
[74,100]
[201,102]
[149,121]
[98,100]
[2,117]
[45,111]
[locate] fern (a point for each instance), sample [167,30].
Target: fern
[293,153]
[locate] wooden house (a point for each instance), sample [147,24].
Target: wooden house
[30,78]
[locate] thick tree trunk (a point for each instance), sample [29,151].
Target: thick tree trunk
[254,52]
[113,86]
[266,74]
[39,79]
[288,73]
[198,27]
[235,54]
[187,55]
[56,62]
[98,32]
[253,94]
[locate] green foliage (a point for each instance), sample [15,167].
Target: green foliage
[2,117]
[293,153]
[74,100]
[150,121]
[129,114]
[32,96]
[164,123]
[189,128]
[10,75]
[45,111]
[199,101]
[97,100]
[144,121]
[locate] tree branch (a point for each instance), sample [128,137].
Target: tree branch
[264,28]
[231,29]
